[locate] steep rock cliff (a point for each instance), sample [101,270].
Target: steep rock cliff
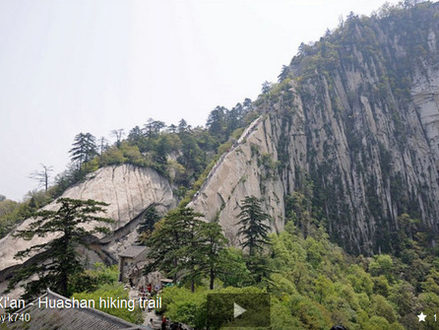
[240,173]
[127,189]
[358,114]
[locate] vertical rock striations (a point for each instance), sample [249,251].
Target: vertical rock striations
[357,113]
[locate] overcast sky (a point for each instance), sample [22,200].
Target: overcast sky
[92,66]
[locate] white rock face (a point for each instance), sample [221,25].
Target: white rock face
[370,150]
[129,190]
[237,175]
[370,157]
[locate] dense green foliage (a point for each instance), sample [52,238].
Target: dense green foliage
[185,247]
[179,152]
[58,260]
[115,290]
[84,148]
[145,228]
[253,225]
[182,153]
[314,284]
[12,212]
[190,308]
[92,279]
[102,284]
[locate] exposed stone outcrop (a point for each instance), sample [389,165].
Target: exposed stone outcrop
[356,114]
[239,173]
[361,121]
[127,189]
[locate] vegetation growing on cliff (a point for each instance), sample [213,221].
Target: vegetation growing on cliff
[353,84]
[182,153]
[314,284]
[12,212]
[58,261]
[179,152]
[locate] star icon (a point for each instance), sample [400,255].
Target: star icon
[422,317]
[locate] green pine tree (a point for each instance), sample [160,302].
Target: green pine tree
[173,244]
[58,261]
[213,244]
[84,148]
[185,247]
[146,227]
[253,227]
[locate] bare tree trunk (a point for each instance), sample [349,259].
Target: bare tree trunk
[43,176]
[212,279]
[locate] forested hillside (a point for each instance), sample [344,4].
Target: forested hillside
[323,192]
[347,144]
[181,153]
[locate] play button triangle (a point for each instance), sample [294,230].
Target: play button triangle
[238,310]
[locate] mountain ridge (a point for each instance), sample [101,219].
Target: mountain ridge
[353,126]
[358,114]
